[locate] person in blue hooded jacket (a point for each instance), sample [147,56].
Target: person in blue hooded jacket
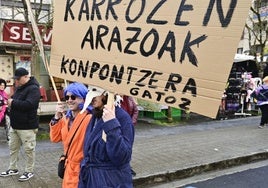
[107,146]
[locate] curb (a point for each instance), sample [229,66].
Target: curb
[155,179]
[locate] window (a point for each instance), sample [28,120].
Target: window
[239,50]
[260,3]
[257,48]
[13,10]
[260,27]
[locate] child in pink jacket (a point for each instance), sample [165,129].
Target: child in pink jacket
[3,99]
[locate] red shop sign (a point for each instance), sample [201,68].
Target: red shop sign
[19,33]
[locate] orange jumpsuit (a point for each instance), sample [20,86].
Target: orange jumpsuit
[59,132]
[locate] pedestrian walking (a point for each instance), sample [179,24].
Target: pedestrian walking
[108,145]
[261,95]
[69,128]
[24,123]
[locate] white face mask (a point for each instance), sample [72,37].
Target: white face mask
[93,91]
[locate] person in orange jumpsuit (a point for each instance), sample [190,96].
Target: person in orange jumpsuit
[64,125]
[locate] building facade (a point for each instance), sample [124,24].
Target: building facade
[16,49]
[254,37]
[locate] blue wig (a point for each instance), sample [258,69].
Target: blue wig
[77,89]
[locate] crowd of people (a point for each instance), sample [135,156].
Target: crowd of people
[97,135]
[96,129]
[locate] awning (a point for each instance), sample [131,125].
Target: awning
[243,57]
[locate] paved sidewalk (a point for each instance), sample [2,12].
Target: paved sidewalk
[162,153]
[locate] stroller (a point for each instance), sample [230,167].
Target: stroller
[6,123]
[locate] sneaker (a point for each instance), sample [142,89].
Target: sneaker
[26,176]
[9,172]
[261,126]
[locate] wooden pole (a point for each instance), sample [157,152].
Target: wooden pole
[110,100]
[40,46]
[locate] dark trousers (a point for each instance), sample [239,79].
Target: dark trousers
[264,114]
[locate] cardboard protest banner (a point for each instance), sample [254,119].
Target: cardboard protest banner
[177,53]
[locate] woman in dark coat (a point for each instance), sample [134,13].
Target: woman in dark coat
[108,147]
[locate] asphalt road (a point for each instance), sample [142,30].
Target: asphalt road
[252,175]
[252,178]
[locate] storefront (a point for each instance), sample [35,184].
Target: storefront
[243,79]
[16,51]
